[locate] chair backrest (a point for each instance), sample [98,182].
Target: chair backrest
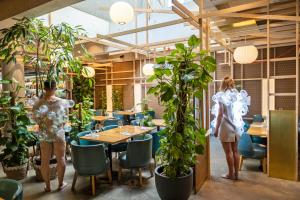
[11,189]
[246,126]
[134,122]
[258,118]
[151,113]
[85,142]
[139,152]
[88,160]
[98,112]
[245,146]
[139,115]
[105,128]
[155,142]
[109,122]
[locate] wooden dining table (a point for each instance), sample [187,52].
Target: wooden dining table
[258,129]
[101,118]
[158,123]
[127,114]
[117,135]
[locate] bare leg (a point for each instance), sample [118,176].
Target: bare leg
[229,158]
[60,151]
[46,153]
[236,157]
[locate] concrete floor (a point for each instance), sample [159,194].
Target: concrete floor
[253,185]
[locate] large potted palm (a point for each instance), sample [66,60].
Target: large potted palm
[181,76]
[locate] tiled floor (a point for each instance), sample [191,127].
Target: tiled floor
[254,185]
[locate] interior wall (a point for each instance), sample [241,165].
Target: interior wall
[249,77]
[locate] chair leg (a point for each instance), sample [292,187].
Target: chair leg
[74,181]
[264,164]
[241,163]
[140,177]
[109,176]
[93,185]
[119,174]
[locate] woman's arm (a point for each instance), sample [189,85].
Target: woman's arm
[219,118]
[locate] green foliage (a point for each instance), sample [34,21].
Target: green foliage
[14,115]
[103,100]
[83,88]
[181,76]
[48,49]
[117,99]
[81,124]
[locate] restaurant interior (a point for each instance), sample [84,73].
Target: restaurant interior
[135,94]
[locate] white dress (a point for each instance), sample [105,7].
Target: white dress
[234,104]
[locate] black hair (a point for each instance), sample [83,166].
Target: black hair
[49,85]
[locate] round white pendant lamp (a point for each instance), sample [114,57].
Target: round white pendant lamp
[121,12]
[148,69]
[245,54]
[88,72]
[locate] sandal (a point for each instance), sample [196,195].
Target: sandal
[47,189]
[63,186]
[226,176]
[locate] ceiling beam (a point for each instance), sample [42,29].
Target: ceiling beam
[146,28]
[183,12]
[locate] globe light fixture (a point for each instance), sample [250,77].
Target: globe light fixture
[121,12]
[245,54]
[88,72]
[148,69]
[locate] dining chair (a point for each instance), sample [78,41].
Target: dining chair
[85,142]
[258,118]
[120,117]
[139,115]
[246,126]
[137,156]
[151,113]
[134,123]
[11,189]
[247,149]
[155,142]
[89,161]
[117,148]
[110,122]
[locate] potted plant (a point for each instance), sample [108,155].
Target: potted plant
[181,77]
[14,156]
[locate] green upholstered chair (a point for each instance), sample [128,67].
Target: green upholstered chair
[137,156]
[258,118]
[85,142]
[151,113]
[89,161]
[110,122]
[247,149]
[11,189]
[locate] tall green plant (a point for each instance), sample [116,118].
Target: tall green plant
[48,49]
[83,88]
[181,76]
[13,113]
[117,99]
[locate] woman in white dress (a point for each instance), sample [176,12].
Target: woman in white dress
[49,109]
[227,131]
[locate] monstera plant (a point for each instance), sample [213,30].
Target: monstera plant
[181,76]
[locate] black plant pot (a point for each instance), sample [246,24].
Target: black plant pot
[178,188]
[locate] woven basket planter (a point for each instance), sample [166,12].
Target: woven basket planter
[16,173]
[37,168]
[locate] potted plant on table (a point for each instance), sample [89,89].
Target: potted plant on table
[181,76]
[14,156]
